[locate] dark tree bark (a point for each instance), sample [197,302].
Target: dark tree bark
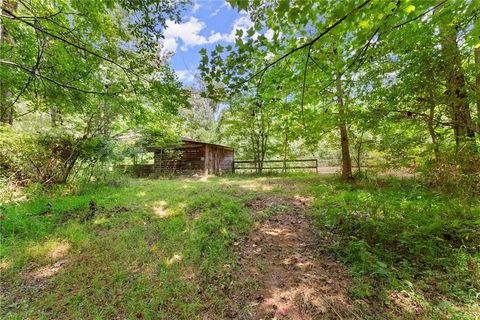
[342,124]
[431,126]
[285,149]
[6,108]
[358,149]
[259,136]
[477,85]
[457,101]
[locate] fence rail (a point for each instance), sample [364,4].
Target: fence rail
[256,165]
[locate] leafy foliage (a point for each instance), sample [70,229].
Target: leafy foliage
[77,75]
[384,72]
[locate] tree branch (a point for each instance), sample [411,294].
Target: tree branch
[50,34]
[34,73]
[419,16]
[309,43]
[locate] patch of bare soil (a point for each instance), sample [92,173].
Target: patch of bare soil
[34,279]
[293,277]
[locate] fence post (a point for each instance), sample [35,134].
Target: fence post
[316,166]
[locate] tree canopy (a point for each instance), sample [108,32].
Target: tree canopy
[399,75]
[93,68]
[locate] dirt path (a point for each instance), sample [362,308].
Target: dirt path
[292,276]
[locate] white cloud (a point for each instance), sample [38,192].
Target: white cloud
[195,7]
[185,76]
[170,45]
[215,37]
[241,23]
[226,4]
[214,13]
[269,34]
[189,33]
[244,23]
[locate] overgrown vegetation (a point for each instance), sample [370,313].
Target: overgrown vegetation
[367,86]
[396,235]
[396,80]
[143,249]
[163,248]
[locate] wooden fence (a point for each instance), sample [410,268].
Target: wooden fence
[286,165]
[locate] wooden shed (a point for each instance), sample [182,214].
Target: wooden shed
[193,157]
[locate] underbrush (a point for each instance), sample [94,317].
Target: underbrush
[145,249]
[397,236]
[13,191]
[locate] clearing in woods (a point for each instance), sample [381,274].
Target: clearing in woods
[222,248]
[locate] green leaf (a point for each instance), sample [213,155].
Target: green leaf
[365,24]
[282,7]
[242,5]
[410,8]
[390,7]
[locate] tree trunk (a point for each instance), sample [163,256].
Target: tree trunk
[477,85]
[433,135]
[259,135]
[286,132]
[285,147]
[358,148]
[3,103]
[457,101]
[6,109]
[430,122]
[431,129]
[263,138]
[254,137]
[68,170]
[53,116]
[105,118]
[342,124]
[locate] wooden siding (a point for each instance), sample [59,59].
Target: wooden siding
[194,157]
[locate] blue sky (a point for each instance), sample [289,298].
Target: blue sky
[204,25]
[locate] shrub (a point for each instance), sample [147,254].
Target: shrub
[48,156]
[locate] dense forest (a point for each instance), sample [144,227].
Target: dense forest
[385,92]
[397,82]
[398,79]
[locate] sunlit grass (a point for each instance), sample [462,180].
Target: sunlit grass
[416,249]
[49,250]
[146,249]
[164,248]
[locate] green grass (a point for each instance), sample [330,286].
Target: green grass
[151,249]
[158,249]
[397,236]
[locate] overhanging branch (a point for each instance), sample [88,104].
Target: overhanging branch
[307,44]
[66,41]
[34,73]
